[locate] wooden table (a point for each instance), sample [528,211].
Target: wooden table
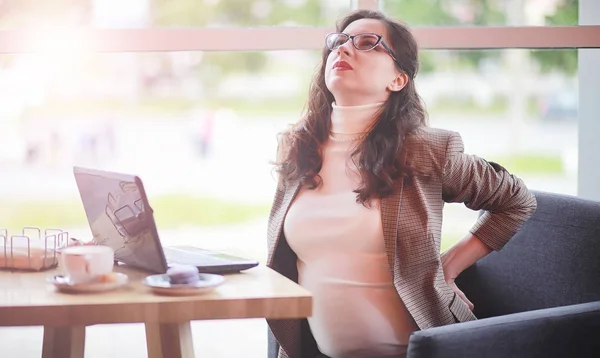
[27,300]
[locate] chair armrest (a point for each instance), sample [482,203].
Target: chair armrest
[569,331]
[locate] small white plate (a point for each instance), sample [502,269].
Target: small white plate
[63,285]
[160,284]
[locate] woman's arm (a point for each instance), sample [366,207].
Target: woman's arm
[459,257]
[482,185]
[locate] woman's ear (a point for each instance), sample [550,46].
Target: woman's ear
[398,83]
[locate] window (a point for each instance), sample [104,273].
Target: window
[202,120]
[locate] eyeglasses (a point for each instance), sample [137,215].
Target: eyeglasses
[361,42]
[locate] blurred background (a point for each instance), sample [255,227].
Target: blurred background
[200,127]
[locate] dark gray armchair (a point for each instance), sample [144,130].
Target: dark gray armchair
[537,297]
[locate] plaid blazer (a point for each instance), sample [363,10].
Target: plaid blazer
[412,222]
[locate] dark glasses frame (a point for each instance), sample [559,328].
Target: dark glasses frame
[353,38]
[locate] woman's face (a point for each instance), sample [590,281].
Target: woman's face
[360,77]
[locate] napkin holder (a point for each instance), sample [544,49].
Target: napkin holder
[30,250]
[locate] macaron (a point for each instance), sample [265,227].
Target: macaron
[183,275]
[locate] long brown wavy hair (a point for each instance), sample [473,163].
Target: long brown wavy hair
[379,156]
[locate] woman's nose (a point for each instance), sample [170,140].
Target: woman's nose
[345,48]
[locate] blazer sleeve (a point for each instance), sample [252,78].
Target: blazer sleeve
[483,185]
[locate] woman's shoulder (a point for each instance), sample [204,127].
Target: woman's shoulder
[431,135]
[427,148]
[430,138]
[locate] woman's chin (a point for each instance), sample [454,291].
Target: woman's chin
[341,85]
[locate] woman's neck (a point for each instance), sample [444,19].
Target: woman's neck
[353,119]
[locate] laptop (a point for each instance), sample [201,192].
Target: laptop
[121,217]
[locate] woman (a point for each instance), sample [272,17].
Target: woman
[357,215]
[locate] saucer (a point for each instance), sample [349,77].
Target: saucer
[63,284]
[160,284]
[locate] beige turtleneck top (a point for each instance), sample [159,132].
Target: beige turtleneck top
[341,255]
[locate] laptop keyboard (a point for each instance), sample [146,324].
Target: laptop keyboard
[190,258]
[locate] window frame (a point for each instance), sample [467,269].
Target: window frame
[16,41]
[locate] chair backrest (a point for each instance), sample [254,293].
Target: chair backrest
[554,260]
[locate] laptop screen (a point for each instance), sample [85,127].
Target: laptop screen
[119,216]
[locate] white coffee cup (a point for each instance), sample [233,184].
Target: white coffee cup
[84,263]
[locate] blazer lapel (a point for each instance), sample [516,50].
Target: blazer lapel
[281,204]
[288,332]
[390,210]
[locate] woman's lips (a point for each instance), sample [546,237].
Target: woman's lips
[341,66]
